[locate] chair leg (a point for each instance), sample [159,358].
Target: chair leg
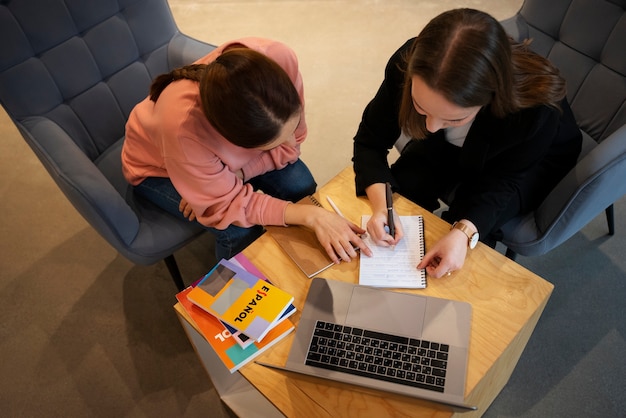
[610,219]
[511,254]
[170,262]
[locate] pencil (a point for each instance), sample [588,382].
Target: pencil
[335,208]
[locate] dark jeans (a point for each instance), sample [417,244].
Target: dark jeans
[291,183]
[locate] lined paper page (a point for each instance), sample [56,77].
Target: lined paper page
[396,268]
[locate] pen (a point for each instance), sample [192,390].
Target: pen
[390,223]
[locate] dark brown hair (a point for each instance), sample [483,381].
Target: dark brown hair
[245,95]
[466,56]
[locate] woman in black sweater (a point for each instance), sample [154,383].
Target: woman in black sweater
[492,133]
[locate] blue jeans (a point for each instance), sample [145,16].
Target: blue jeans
[291,183]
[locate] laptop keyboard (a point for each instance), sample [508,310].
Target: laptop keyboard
[377,355]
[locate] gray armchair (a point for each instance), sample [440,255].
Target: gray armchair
[586,40]
[70,73]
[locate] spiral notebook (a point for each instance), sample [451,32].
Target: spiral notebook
[301,244]
[396,267]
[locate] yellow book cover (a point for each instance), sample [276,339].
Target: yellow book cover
[228,350]
[240,299]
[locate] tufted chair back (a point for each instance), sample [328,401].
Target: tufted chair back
[70,73]
[586,40]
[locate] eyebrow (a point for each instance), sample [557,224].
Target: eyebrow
[448,120]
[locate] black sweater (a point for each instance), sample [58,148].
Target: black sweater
[499,156]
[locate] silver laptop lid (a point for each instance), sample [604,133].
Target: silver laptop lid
[414,316]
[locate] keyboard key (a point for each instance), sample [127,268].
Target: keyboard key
[438,363]
[323,333]
[439,372]
[387,337]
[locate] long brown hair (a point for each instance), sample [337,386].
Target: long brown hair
[245,95]
[466,56]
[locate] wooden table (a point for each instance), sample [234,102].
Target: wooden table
[507,302]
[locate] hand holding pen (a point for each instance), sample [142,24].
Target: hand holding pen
[384,227]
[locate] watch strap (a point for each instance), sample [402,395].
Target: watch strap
[472,237]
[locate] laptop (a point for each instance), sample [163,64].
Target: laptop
[402,343]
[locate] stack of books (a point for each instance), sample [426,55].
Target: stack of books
[238,311]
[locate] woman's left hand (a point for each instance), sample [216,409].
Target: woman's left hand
[446,256]
[186,209]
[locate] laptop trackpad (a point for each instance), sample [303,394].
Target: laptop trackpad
[386,311]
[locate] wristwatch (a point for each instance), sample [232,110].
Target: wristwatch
[472,238]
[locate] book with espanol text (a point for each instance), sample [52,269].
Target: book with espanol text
[240,260]
[227,349]
[241,299]
[301,244]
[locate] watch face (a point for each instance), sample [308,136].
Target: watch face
[473,240]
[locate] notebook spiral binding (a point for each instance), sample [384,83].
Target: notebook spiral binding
[315,201]
[422,250]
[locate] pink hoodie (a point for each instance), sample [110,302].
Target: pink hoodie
[172,138]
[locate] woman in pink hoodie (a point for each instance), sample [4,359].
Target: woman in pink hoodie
[218,142]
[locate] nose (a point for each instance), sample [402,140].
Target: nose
[433,124]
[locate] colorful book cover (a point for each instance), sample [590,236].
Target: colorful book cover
[228,350]
[241,299]
[243,340]
[242,261]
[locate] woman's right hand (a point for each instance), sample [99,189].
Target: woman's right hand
[377,226]
[339,237]
[378,229]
